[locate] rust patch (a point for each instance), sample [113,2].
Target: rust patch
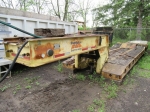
[42,49]
[24,57]
[107,39]
[56,51]
[101,50]
[30,52]
[96,42]
[38,57]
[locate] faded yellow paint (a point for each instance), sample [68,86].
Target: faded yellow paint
[62,47]
[103,58]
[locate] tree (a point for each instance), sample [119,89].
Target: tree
[84,8]
[60,8]
[25,4]
[38,5]
[8,4]
[66,9]
[125,13]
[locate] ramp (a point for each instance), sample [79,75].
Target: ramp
[122,57]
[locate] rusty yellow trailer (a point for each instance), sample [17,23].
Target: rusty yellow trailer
[86,48]
[121,58]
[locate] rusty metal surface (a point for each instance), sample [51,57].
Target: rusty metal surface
[69,61]
[121,59]
[49,32]
[35,53]
[115,46]
[136,51]
[113,68]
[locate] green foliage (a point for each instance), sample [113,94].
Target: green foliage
[31,80]
[133,70]
[102,79]
[102,106]
[143,66]
[97,102]
[18,87]
[91,108]
[111,89]
[90,77]
[118,40]
[145,74]
[144,62]
[14,92]
[97,106]
[28,86]
[97,79]
[124,13]
[126,80]
[75,111]
[131,35]
[5,87]
[37,83]
[59,67]
[81,28]
[148,46]
[80,77]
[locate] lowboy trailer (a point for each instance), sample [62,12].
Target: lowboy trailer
[88,50]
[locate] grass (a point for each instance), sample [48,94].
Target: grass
[91,108]
[97,79]
[144,62]
[111,89]
[37,83]
[31,80]
[144,73]
[28,86]
[133,71]
[126,80]
[18,87]
[148,46]
[80,77]
[59,67]
[97,106]
[102,106]
[75,111]
[14,92]
[143,66]
[5,87]
[19,71]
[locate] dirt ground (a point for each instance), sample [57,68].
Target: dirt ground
[44,89]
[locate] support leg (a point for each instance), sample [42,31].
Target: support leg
[103,58]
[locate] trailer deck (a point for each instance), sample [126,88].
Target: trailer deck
[122,57]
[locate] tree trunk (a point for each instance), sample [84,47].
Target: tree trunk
[58,9]
[139,25]
[66,9]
